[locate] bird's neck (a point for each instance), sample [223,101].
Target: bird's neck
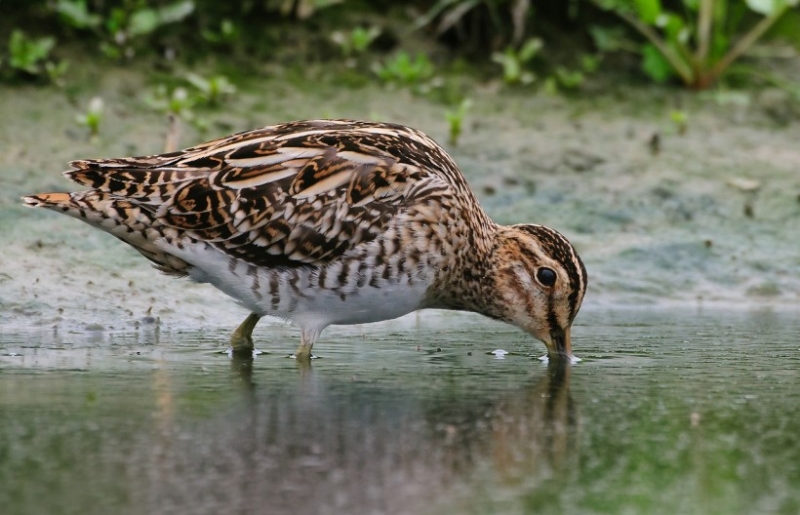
[469,281]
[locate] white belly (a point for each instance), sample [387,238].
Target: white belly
[298,294]
[364,305]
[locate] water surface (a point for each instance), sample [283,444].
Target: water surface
[669,412]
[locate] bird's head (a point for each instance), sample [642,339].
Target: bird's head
[540,281]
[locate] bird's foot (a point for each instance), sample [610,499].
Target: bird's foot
[242,337]
[572,359]
[303,357]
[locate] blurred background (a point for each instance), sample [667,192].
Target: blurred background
[659,135]
[557,45]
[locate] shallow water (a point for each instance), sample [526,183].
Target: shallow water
[669,412]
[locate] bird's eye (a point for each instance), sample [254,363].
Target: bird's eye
[546,276]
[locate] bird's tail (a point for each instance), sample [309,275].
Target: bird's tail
[131,223]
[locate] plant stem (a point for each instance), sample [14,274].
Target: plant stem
[681,68]
[704,23]
[739,48]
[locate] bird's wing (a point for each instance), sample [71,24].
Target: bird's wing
[288,195]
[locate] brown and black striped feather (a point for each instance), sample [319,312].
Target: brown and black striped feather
[295,194]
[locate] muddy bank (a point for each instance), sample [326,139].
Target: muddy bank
[660,214]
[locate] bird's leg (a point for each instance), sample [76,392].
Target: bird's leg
[307,339]
[242,337]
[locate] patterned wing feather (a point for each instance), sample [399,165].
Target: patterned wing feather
[288,195]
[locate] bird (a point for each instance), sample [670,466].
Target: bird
[330,222]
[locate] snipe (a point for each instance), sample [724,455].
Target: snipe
[328,222]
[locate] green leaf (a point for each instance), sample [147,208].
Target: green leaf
[175,12]
[26,54]
[530,49]
[403,69]
[767,7]
[673,26]
[511,65]
[116,20]
[655,65]
[109,50]
[649,10]
[143,21]
[568,79]
[146,20]
[77,14]
[56,70]
[199,82]
[590,63]
[511,70]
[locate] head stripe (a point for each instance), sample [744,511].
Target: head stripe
[560,249]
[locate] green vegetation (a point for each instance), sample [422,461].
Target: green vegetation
[356,41]
[455,119]
[175,101]
[185,97]
[91,119]
[680,119]
[211,91]
[28,55]
[409,43]
[122,30]
[698,41]
[404,69]
[513,61]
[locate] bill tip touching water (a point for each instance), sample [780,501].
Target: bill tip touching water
[330,222]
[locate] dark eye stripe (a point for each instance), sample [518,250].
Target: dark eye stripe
[576,297]
[557,246]
[552,321]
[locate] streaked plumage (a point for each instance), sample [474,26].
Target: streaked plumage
[330,222]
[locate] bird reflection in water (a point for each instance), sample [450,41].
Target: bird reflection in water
[325,445]
[536,430]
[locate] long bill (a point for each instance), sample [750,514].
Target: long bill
[562,343]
